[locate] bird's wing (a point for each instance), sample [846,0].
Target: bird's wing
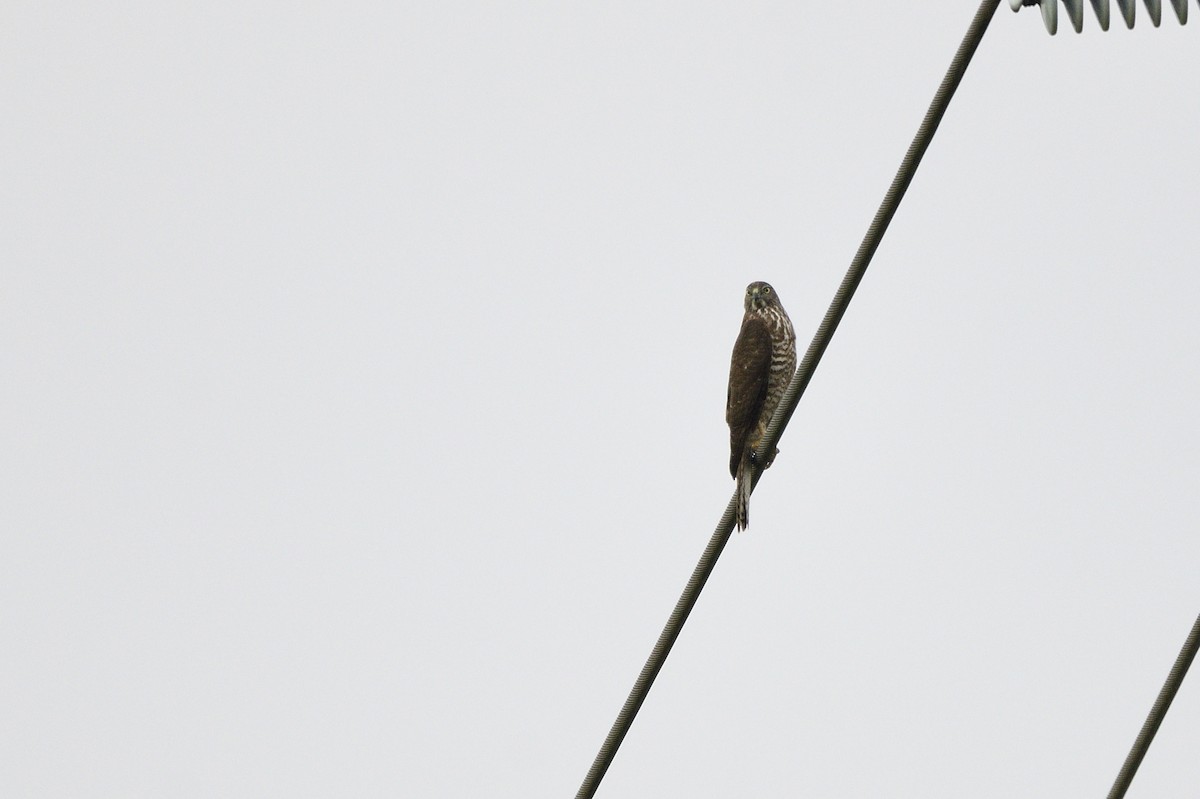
[749,371]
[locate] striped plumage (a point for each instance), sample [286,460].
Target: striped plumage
[763,362]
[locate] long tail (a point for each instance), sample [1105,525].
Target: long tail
[743,494]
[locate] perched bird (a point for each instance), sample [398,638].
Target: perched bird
[763,362]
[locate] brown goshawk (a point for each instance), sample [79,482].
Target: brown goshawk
[763,362]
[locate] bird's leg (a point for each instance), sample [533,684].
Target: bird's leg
[771,459]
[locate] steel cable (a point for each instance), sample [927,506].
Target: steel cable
[1161,705]
[791,397]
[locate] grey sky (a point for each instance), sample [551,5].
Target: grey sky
[365,371]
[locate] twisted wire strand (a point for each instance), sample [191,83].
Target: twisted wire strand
[791,397]
[1161,705]
[879,226]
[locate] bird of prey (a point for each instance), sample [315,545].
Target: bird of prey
[763,362]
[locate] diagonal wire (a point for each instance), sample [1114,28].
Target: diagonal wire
[791,397]
[1161,705]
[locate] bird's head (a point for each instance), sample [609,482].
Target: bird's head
[759,295]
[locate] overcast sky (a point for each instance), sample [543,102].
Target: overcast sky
[364,380]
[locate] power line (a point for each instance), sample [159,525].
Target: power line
[1161,705]
[791,397]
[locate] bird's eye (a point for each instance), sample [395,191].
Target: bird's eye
[766,289]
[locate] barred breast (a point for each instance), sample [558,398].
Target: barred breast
[783,366]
